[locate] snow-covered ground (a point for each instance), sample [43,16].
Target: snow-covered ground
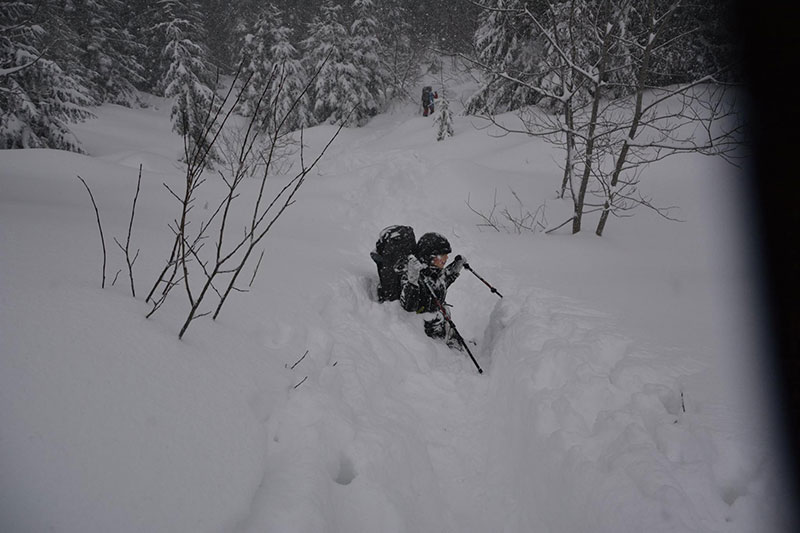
[621,393]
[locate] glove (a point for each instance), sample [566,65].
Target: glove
[413,268]
[459,262]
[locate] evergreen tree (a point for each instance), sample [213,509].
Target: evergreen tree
[218,18]
[293,100]
[226,22]
[186,74]
[276,75]
[243,23]
[326,55]
[38,98]
[257,67]
[369,77]
[301,13]
[64,33]
[508,42]
[141,19]
[397,54]
[106,51]
[505,43]
[704,43]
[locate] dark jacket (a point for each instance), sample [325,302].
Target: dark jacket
[428,98]
[417,298]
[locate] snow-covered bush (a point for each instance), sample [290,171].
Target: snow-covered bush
[444,120]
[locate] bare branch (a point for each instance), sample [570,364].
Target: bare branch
[551,230]
[127,247]
[298,361]
[100,227]
[255,270]
[489,220]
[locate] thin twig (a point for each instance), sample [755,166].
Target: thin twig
[298,361]
[100,227]
[255,271]
[490,219]
[570,219]
[127,248]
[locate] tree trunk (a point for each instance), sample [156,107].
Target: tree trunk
[568,163]
[603,217]
[590,137]
[641,77]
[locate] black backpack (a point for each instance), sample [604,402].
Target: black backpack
[426,94]
[394,245]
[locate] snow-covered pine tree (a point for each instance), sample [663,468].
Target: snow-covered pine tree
[244,21]
[397,54]
[257,67]
[508,41]
[291,101]
[220,19]
[505,42]
[106,51]
[38,98]
[187,75]
[326,47]
[276,75]
[141,19]
[369,77]
[444,120]
[702,41]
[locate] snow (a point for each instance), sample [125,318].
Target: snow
[622,388]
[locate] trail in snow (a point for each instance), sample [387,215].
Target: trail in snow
[403,419]
[596,421]
[577,424]
[388,420]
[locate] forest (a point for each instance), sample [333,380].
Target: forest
[60,58]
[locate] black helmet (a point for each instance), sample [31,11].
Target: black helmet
[432,244]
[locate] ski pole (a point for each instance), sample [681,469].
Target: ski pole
[446,316]
[466,265]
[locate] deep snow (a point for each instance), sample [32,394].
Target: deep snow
[622,393]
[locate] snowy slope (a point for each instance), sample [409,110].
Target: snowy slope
[621,391]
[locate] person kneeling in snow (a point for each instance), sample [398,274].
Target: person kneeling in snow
[425,273]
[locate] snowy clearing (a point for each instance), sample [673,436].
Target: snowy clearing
[621,394]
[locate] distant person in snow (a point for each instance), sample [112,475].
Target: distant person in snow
[428,96]
[425,272]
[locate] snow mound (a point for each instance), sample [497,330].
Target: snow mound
[310,407]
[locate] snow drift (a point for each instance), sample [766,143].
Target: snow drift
[621,391]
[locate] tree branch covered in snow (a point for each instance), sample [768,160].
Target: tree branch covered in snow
[595,68]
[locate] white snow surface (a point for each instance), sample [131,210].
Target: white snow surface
[622,389]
